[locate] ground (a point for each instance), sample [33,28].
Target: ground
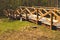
[23,30]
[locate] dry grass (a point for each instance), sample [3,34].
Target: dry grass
[18,30]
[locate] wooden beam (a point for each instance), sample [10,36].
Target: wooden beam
[45,10]
[34,11]
[44,14]
[51,21]
[18,11]
[26,16]
[40,12]
[37,17]
[22,10]
[28,10]
[55,14]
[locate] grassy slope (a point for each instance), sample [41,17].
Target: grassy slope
[17,25]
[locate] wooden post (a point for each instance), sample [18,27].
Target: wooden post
[37,17]
[55,17]
[55,12]
[21,19]
[26,17]
[51,21]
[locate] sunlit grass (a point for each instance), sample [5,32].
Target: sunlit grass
[14,24]
[6,24]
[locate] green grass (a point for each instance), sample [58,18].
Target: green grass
[6,24]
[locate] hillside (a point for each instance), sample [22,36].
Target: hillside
[23,30]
